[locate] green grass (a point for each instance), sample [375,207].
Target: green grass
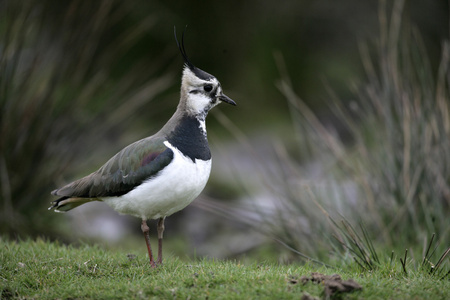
[42,269]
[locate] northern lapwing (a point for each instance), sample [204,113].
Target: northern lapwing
[161,174]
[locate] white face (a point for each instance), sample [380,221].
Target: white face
[201,94]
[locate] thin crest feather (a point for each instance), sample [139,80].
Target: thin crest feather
[199,73]
[182,49]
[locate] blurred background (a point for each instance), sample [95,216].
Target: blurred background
[343,113]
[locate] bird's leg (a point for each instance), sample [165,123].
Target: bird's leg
[160,229]
[146,232]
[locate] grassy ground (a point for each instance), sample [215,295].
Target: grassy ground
[41,269]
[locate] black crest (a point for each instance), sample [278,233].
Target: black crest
[199,73]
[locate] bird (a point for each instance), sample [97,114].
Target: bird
[163,173]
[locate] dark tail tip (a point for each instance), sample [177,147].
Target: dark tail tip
[56,203]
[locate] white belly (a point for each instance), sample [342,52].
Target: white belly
[173,189]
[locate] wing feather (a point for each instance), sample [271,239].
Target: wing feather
[123,172]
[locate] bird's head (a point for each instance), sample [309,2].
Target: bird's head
[200,91]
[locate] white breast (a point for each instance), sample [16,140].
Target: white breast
[175,187]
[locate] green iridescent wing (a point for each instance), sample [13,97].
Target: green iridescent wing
[123,172]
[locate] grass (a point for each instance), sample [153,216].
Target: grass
[42,269]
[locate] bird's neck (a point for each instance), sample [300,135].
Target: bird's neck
[188,134]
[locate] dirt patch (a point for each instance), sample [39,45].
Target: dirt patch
[334,286]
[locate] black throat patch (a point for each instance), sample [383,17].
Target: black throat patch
[190,139]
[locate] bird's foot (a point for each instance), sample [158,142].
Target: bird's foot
[153,265]
[159,262]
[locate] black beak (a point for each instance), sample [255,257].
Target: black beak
[226,99]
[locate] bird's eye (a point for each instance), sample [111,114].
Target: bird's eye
[208,87]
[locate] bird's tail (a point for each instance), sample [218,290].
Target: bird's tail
[64,204]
